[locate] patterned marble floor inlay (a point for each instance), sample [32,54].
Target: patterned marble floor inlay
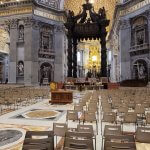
[41,114]
[10,137]
[18,132]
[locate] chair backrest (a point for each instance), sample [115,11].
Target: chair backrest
[112,130]
[148,118]
[92,108]
[120,138]
[119,146]
[123,109]
[83,135]
[109,117]
[85,128]
[72,115]
[139,109]
[42,140]
[36,147]
[89,116]
[130,117]
[67,148]
[79,144]
[104,79]
[142,135]
[60,129]
[78,107]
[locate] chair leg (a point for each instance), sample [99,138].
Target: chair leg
[95,142]
[97,127]
[1,110]
[56,141]
[102,143]
[135,126]
[101,127]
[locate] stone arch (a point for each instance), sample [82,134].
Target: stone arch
[139,20]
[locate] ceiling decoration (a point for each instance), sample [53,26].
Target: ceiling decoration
[76,6]
[7,1]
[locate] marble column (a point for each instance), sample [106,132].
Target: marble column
[75,58]
[103,56]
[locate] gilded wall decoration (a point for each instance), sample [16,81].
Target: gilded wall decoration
[134,7]
[51,3]
[15,11]
[48,15]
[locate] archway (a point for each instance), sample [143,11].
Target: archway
[140,70]
[45,72]
[86,25]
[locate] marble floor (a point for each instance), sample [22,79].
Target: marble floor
[24,119]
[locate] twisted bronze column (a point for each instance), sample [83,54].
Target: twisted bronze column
[69,56]
[75,58]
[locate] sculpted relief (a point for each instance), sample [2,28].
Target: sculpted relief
[51,3]
[4,39]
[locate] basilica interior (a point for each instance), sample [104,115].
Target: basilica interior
[74,75]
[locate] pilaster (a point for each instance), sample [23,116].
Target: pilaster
[13,50]
[125,42]
[59,53]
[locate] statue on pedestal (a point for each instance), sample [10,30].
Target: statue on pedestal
[141,72]
[20,68]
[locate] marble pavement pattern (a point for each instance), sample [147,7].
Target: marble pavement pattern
[8,121]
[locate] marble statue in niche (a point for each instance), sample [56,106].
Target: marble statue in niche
[20,68]
[51,41]
[21,32]
[46,71]
[141,72]
[45,41]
